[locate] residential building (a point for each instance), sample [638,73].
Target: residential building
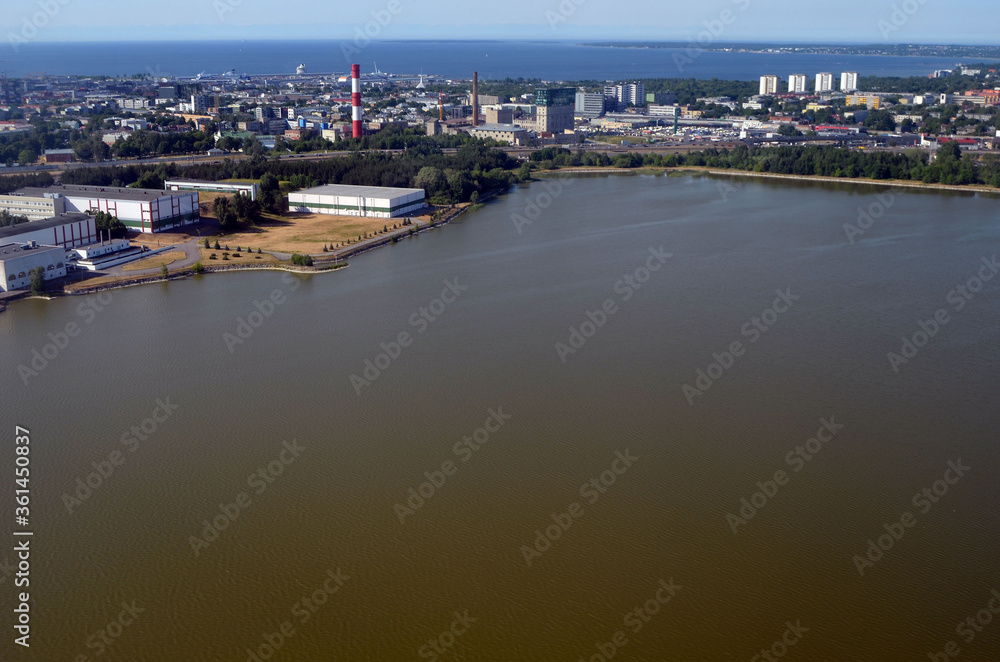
[824,82]
[872,101]
[798,84]
[848,81]
[768,85]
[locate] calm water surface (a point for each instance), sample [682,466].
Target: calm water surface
[331,506]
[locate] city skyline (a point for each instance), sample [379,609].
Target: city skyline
[780,21]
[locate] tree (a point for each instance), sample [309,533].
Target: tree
[38,281]
[224,213]
[207,245]
[27,157]
[163,270]
[109,224]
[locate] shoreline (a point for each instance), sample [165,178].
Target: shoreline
[329,264]
[892,183]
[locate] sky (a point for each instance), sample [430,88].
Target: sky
[843,21]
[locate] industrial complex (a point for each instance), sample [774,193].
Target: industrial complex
[370,201]
[144,210]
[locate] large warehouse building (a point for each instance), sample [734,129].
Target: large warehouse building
[67,230]
[249,190]
[17,261]
[371,201]
[145,210]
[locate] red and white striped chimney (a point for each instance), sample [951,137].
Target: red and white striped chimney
[356,99]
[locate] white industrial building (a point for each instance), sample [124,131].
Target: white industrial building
[67,230]
[212,187]
[344,200]
[35,207]
[18,259]
[145,210]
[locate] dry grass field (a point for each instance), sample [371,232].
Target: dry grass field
[156,261]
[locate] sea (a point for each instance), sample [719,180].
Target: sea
[548,60]
[630,417]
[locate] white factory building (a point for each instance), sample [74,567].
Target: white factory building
[36,208]
[144,210]
[248,189]
[17,260]
[66,230]
[371,201]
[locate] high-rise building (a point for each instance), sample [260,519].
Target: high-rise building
[797,84]
[555,109]
[627,93]
[849,81]
[661,98]
[589,104]
[199,103]
[768,85]
[824,82]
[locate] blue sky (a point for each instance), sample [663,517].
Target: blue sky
[852,21]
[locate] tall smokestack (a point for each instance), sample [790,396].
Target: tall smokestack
[475,98]
[440,106]
[356,99]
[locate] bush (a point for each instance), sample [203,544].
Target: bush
[198,267]
[212,257]
[302,260]
[217,247]
[207,246]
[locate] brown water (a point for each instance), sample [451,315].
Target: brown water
[733,244]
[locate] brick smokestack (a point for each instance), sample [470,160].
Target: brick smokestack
[356,100]
[475,98]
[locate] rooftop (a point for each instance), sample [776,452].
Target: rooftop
[359,191]
[8,251]
[35,226]
[77,191]
[499,127]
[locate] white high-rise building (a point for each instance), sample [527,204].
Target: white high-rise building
[824,82]
[849,81]
[797,84]
[768,85]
